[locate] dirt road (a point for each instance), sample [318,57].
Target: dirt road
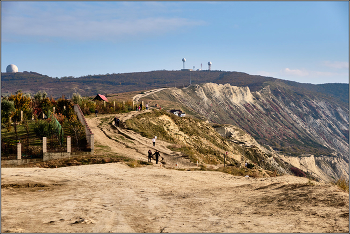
[130,144]
[116,198]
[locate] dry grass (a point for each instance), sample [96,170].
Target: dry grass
[137,163]
[196,131]
[343,184]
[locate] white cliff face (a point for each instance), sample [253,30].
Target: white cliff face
[279,117]
[236,95]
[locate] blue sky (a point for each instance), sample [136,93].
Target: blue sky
[307,42]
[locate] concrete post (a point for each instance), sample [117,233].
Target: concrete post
[69,146]
[19,153]
[142,105]
[44,145]
[133,105]
[53,109]
[21,115]
[114,104]
[104,103]
[92,142]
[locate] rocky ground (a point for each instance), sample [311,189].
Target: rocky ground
[114,197]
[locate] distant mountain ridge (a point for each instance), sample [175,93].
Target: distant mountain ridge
[31,82]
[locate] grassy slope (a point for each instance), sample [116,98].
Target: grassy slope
[198,140]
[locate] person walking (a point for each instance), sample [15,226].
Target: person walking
[154,141]
[157,156]
[115,120]
[118,120]
[147,106]
[96,112]
[149,156]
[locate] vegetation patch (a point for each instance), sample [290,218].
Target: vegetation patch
[196,139]
[297,172]
[137,163]
[343,184]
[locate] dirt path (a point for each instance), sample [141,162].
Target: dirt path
[130,144]
[137,97]
[113,197]
[116,198]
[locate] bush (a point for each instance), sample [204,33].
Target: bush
[343,184]
[41,128]
[297,172]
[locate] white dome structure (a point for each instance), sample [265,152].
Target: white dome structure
[184,60]
[209,65]
[12,68]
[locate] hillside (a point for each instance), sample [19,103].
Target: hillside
[125,82]
[145,197]
[293,123]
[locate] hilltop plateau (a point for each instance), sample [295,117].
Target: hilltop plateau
[32,82]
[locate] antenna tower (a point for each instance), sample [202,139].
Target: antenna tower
[184,60]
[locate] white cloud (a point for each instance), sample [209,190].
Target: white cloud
[336,64]
[295,72]
[312,74]
[265,73]
[89,22]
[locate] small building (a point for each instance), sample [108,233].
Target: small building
[39,113]
[178,113]
[100,97]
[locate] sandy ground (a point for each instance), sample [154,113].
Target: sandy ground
[113,197]
[116,198]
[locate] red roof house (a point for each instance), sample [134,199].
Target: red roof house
[100,97]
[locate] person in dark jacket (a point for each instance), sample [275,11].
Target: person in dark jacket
[149,156]
[115,120]
[157,156]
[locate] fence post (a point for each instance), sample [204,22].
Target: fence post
[69,146]
[53,109]
[19,153]
[104,103]
[44,145]
[21,115]
[92,143]
[114,104]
